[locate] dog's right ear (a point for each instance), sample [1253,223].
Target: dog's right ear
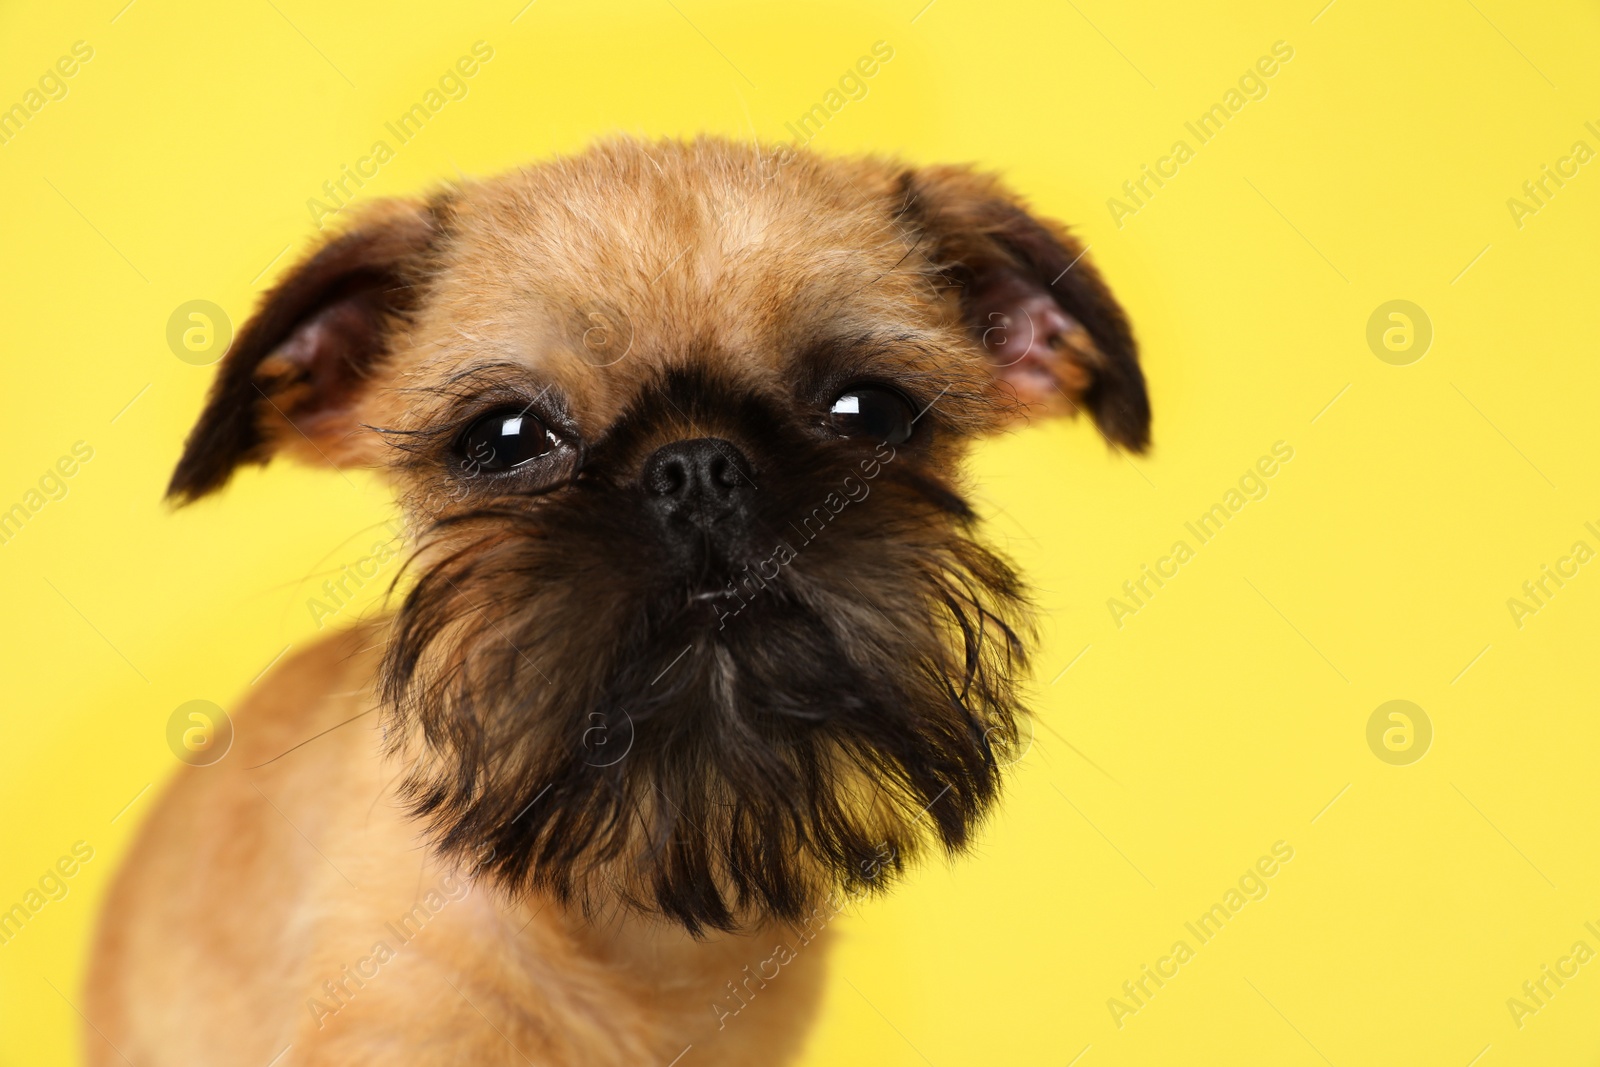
[294,374]
[1054,333]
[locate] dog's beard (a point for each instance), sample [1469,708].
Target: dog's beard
[596,729]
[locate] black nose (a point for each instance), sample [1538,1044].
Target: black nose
[705,481]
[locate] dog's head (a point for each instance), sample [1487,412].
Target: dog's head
[696,621]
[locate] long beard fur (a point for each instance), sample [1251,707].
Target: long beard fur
[583,727]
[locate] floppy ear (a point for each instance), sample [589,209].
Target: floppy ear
[1050,326]
[296,370]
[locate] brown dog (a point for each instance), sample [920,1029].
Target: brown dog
[695,641]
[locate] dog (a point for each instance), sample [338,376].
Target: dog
[695,641]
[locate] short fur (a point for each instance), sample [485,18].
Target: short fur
[633,736]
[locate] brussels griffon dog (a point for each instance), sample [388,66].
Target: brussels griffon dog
[693,641]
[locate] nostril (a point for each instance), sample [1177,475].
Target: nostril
[723,472]
[668,476]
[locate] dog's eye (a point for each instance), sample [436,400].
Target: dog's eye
[503,439]
[873,412]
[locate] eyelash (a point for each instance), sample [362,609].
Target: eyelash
[436,445]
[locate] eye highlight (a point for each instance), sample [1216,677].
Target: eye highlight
[872,412]
[504,439]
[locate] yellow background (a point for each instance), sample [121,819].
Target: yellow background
[1223,717]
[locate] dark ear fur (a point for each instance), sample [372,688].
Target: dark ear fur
[297,366]
[1041,311]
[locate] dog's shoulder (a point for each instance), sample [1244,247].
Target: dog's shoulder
[309,690]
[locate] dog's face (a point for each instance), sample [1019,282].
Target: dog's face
[696,621]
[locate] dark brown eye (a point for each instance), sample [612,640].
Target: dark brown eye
[872,412]
[503,439]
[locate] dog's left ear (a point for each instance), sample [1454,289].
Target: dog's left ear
[1049,324]
[295,372]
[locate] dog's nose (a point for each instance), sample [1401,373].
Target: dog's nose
[704,481]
